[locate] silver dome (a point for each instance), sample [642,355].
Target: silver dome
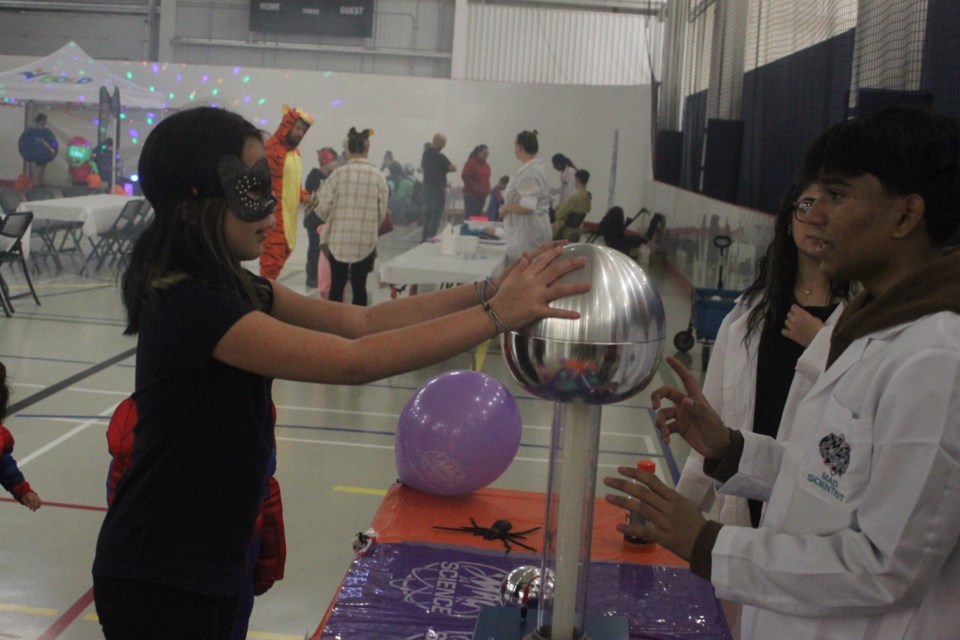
[611,352]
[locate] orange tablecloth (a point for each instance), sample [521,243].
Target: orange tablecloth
[408,515]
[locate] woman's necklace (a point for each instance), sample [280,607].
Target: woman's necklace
[810,294]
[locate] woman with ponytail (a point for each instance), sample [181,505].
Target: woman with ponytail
[526,208]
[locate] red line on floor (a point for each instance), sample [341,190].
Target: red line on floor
[63,505]
[60,624]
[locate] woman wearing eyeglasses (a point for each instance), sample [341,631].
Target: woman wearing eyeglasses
[762,342]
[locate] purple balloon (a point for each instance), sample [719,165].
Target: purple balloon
[458,433]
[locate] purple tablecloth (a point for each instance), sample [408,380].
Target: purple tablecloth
[421,592]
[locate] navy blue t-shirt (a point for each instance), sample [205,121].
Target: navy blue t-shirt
[185,511]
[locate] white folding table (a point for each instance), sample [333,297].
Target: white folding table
[424,264]
[97,212]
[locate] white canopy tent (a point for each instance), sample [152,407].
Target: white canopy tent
[70,76]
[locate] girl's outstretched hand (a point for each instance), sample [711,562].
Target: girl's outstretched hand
[525,294]
[498,279]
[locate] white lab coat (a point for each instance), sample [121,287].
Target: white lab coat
[527,231]
[730,386]
[871,553]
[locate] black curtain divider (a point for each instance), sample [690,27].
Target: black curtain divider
[721,159]
[786,104]
[870,100]
[694,131]
[668,157]
[940,70]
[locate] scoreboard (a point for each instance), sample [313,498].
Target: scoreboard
[351,18]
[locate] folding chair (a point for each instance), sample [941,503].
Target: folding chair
[110,242]
[75,190]
[9,201]
[57,236]
[40,193]
[130,234]
[14,227]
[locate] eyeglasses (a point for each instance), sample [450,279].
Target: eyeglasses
[801,210]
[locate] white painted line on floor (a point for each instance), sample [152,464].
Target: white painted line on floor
[337,444]
[76,389]
[353,412]
[348,411]
[73,420]
[80,428]
[99,391]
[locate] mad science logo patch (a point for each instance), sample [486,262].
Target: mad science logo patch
[835,451]
[454,589]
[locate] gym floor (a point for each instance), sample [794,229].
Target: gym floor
[69,364]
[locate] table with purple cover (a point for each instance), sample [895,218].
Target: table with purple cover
[416,582]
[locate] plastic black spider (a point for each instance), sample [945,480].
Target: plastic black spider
[499,530]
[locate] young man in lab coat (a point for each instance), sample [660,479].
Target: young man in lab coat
[861,535]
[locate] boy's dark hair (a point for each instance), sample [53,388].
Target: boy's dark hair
[528,142]
[582,175]
[4,392]
[40,118]
[909,150]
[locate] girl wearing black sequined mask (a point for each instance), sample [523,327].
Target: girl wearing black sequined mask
[211,338]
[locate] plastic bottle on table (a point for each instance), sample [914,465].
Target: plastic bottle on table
[634,520]
[448,240]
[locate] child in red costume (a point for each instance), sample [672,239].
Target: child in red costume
[286,174]
[10,476]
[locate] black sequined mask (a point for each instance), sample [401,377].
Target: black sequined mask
[247,190]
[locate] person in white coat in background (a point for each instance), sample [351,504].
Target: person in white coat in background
[526,200]
[861,535]
[758,346]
